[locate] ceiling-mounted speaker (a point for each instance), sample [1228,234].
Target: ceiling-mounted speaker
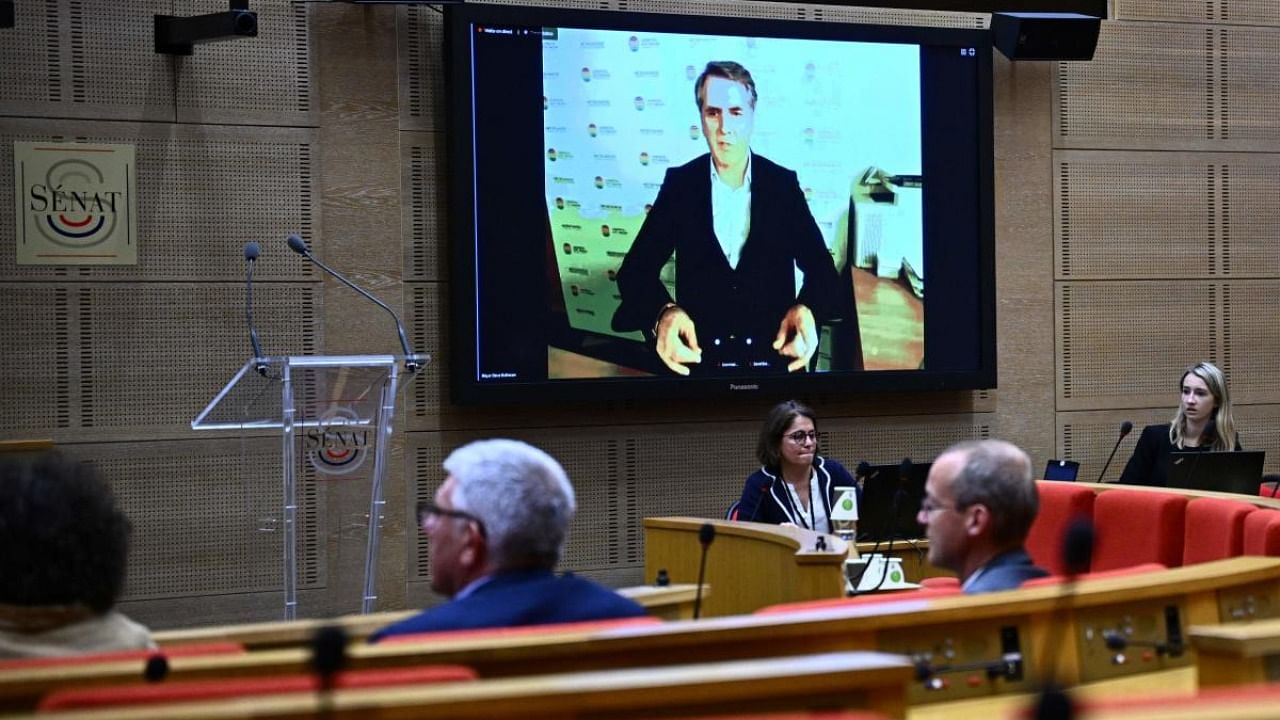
[1045,36]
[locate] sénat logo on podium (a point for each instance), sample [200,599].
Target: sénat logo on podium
[76,204]
[340,442]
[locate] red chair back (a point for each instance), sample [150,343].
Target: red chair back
[1060,504]
[585,626]
[1118,572]
[192,690]
[1262,533]
[1214,529]
[1132,527]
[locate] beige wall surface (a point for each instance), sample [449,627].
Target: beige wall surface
[1135,219]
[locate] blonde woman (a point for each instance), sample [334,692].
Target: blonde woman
[1203,422]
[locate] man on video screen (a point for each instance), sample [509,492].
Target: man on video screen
[739,226]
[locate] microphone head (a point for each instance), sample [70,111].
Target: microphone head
[251,251]
[329,650]
[297,244]
[1126,427]
[1077,546]
[706,534]
[156,668]
[863,469]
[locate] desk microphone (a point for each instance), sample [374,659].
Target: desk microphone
[251,251]
[1077,555]
[765,489]
[1126,427]
[328,658]
[412,363]
[706,534]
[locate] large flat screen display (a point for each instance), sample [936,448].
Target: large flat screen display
[665,205]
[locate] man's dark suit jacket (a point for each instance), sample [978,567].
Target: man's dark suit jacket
[1006,572]
[525,597]
[751,300]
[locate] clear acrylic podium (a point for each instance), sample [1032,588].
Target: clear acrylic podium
[333,412]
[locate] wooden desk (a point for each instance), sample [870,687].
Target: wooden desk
[1238,653]
[750,565]
[860,680]
[674,602]
[1055,621]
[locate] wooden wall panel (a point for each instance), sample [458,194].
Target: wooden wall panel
[1127,215]
[1172,86]
[248,184]
[206,518]
[1250,327]
[1239,12]
[1150,85]
[1124,344]
[263,80]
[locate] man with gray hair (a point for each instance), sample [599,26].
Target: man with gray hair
[496,529]
[980,501]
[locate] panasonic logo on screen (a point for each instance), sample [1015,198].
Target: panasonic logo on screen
[732,386]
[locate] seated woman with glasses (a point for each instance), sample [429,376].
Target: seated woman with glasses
[794,485]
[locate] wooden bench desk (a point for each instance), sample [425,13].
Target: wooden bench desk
[853,680]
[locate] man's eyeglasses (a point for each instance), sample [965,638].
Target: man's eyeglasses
[428,509]
[928,506]
[798,437]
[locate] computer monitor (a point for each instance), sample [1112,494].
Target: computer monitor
[891,502]
[1233,472]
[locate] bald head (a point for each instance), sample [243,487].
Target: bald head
[996,474]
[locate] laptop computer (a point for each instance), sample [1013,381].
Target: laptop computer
[890,503]
[1233,472]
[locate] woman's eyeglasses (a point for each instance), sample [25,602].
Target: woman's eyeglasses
[798,437]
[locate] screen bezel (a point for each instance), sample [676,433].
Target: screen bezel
[466,388]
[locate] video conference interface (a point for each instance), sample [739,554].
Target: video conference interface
[870,151]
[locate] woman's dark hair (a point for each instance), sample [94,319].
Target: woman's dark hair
[63,541]
[768,450]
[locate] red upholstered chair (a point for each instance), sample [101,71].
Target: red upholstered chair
[172,651]
[1060,504]
[192,690]
[1262,533]
[1118,572]
[924,593]
[1214,529]
[585,626]
[941,581]
[1132,527]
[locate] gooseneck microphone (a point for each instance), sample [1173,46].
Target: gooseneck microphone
[706,534]
[251,251]
[1053,702]
[765,489]
[412,362]
[328,658]
[1126,427]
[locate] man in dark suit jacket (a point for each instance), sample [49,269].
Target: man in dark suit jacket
[980,501]
[738,224]
[496,529]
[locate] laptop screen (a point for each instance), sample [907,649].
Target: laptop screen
[1233,472]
